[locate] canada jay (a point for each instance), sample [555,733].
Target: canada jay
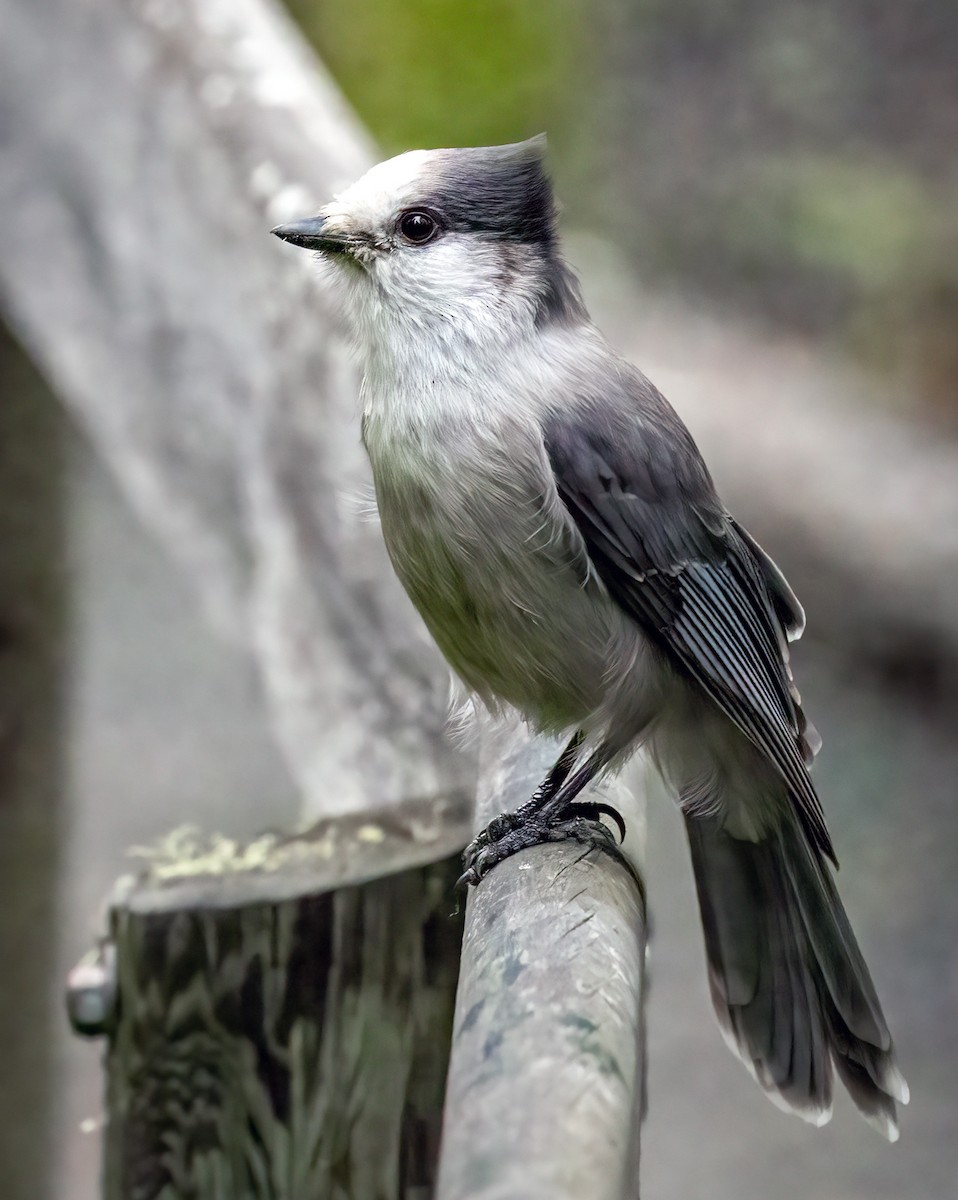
[552,520]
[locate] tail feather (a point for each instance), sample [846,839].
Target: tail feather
[790,987]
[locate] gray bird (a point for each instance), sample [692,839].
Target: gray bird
[553,522]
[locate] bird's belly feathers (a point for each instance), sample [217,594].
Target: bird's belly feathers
[500,576]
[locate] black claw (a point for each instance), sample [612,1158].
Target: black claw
[469,877]
[592,810]
[481,839]
[594,836]
[589,832]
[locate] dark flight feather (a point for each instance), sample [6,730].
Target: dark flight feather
[788,981]
[669,554]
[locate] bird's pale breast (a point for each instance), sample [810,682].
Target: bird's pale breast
[486,553]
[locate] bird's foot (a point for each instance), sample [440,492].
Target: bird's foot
[508,833]
[506,822]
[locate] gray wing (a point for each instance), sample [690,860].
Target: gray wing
[635,484]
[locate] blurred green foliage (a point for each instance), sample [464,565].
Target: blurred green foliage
[448,73]
[870,218]
[861,225]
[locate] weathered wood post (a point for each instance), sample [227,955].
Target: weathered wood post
[278,1016]
[547,1078]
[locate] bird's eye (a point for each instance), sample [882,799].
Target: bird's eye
[418,227]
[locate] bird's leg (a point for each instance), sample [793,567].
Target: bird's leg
[499,826]
[556,818]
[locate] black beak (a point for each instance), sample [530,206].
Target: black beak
[309,234]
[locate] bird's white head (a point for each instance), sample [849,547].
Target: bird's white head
[448,248]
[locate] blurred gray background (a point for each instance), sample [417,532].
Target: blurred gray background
[774,185]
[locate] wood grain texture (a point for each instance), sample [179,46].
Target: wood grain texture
[285,1051]
[546,1081]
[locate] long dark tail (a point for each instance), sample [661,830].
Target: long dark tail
[789,984]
